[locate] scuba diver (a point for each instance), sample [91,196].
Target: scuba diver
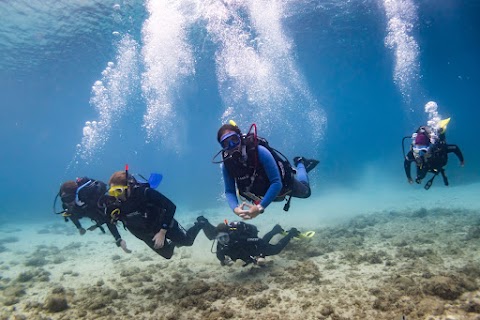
[260,173]
[83,198]
[148,215]
[239,240]
[429,151]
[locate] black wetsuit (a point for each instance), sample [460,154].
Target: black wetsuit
[435,163]
[96,214]
[145,212]
[248,246]
[90,205]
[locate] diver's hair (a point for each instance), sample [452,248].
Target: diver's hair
[222,227]
[225,128]
[118,178]
[68,187]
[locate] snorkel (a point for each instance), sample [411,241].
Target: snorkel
[126,175]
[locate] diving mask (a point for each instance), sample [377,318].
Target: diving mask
[230,141]
[223,238]
[117,190]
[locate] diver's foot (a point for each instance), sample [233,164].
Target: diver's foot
[298,160]
[202,220]
[277,229]
[293,232]
[309,164]
[261,261]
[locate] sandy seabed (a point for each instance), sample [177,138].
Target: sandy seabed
[409,256]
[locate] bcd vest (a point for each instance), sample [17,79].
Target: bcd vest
[249,174]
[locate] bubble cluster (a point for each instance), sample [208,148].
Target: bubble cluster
[401,18]
[256,71]
[109,97]
[431,108]
[167,59]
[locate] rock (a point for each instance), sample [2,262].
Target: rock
[55,303]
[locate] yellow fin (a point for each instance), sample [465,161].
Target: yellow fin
[303,235]
[442,124]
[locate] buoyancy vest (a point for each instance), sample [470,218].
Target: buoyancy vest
[249,174]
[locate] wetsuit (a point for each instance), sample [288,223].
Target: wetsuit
[300,185]
[94,213]
[248,247]
[89,204]
[145,212]
[437,160]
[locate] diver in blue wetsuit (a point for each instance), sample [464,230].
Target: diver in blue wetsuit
[260,173]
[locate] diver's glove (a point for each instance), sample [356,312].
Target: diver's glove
[82,231]
[122,244]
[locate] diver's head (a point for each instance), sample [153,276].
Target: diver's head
[119,185]
[229,137]
[223,227]
[223,237]
[227,127]
[68,191]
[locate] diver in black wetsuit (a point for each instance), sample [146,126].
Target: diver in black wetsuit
[83,198]
[430,156]
[239,240]
[148,215]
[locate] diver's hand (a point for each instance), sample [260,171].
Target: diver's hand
[462,164]
[254,211]
[159,239]
[239,210]
[82,231]
[410,181]
[123,245]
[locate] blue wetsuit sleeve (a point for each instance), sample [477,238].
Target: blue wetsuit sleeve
[273,173]
[230,191]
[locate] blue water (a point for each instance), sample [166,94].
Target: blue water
[323,79]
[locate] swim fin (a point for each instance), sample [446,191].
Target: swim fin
[310,164]
[442,125]
[155,179]
[302,235]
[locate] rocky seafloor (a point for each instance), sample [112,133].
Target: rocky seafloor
[421,264]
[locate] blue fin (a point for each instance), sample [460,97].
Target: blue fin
[155,179]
